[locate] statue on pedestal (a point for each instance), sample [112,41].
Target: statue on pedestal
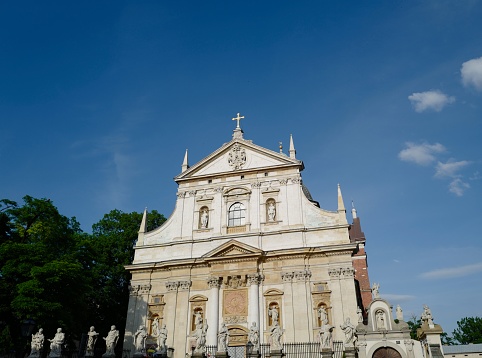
[326,335]
[275,333]
[399,313]
[92,338]
[56,344]
[111,341]
[427,315]
[200,335]
[37,343]
[375,290]
[359,313]
[253,336]
[349,329]
[223,336]
[140,339]
[161,339]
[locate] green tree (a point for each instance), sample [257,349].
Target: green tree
[414,323]
[469,330]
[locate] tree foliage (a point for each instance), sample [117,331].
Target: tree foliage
[469,330]
[59,276]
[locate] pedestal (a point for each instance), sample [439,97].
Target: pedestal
[276,354]
[222,355]
[254,354]
[350,352]
[326,353]
[198,355]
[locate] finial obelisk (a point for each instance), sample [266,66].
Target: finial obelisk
[237,119]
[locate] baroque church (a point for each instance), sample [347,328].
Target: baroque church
[247,239]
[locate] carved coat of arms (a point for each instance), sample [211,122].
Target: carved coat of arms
[237,157]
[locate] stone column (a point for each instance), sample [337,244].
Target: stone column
[213,311]
[253,306]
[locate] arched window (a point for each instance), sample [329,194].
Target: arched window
[236,215]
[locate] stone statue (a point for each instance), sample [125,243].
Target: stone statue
[271,211]
[427,315]
[359,313]
[140,339]
[200,335]
[349,329]
[204,219]
[92,338]
[111,341]
[56,343]
[326,335]
[37,343]
[275,333]
[323,315]
[162,338]
[223,336]
[198,320]
[253,336]
[274,314]
[375,290]
[399,313]
[381,320]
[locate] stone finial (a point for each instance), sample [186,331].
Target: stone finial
[353,210]
[185,165]
[292,148]
[341,205]
[143,227]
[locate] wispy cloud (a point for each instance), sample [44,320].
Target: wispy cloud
[450,169]
[452,272]
[421,154]
[471,72]
[430,100]
[458,187]
[397,298]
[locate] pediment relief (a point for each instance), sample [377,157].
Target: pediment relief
[235,156]
[238,191]
[231,249]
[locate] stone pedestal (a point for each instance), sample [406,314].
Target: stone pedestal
[222,355]
[198,355]
[253,354]
[276,354]
[350,352]
[326,353]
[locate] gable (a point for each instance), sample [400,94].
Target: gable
[238,155]
[231,249]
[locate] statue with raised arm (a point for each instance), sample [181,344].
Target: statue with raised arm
[111,341]
[349,329]
[37,343]
[56,344]
[375,290]
[275,334]
[140,339]
[253,336]
[223,336]
[92,336]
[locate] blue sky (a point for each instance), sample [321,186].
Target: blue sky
[99,100]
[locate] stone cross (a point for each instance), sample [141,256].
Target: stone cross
[238,118]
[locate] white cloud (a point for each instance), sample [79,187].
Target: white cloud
[471,72]
[452,272]
[422,154]
[397,298]
[450,168]
[457,186]
[434,100]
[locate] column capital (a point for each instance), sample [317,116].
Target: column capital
[254,279]
[214,282]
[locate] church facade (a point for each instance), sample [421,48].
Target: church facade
[247,244]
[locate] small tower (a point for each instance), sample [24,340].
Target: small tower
[292,148]
[185,165]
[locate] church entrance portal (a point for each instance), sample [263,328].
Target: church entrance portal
[386,352]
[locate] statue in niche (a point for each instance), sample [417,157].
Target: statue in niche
[92,338]
[198,320]
[274,314]
[271,211]
[349,329]
[375,290]
[223,336]
[111,341]
[204,218]
[359,313]
[37,343]
[56,343]
[253,336]
[275,333]
[399,313]
[326,335]
[427,315]
[380,320]
[140,339]
[323,315]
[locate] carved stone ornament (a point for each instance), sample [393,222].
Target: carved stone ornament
[302,275]
[172,286]
[144,289]
[254,279]
[237,157]
[214,282]
[348,272]
[192,192]
[181,194]
[235,319]
[235,282]
[287,276]
[334,272]
[296,180]
[256,184]
[283,181]
[184,285]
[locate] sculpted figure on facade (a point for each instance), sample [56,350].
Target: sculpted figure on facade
[111,341]
[350,330]
[56,343]
[253,336]
[204,218]
[162,338]
[271,211]
[399,313]
[427,315]
[274,314]
[92,338]
[375,290]
[275,334]
[359,314]
[326,335]
[223,335]
[198,320]
[140,339]
[380,315]
[200,335]
[37,343]
[323,315]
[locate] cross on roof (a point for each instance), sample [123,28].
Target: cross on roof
[238,118]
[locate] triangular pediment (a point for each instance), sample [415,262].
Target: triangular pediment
[237,156]
[231,249]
